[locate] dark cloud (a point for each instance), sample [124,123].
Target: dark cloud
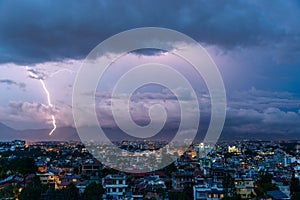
[34,113]
[24,112]
[249,112]
[11,82]
[267,32]
[246,123]
[34,74]
[148,52]
[263,112]
[262,99]
[34,31]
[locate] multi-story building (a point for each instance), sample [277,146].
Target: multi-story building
[244,187]
[11,180]
[182,179]
[115,185]
[42,166]
[205,191]
[91,166]
[48,178]
[65,180]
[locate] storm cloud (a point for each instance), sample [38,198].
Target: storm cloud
[255,44]
[34,31]
[11,82]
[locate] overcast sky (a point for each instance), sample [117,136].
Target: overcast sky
[255,44]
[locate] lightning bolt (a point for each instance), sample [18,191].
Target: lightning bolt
[61,70]
[50,105]
[35,76]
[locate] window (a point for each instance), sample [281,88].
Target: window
[200,195]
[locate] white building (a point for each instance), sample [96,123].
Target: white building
[115,185]
[244,187]
[204,191]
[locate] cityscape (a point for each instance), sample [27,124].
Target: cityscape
[228,170]
[150,100]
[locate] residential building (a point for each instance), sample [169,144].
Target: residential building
[115,185]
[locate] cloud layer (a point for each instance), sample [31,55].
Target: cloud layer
[35,32]
[254,43]
[13,83]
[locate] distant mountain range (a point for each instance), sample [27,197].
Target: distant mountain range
[61,134]
[70,134]
[6,133]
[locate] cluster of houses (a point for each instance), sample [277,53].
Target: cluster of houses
[204,172]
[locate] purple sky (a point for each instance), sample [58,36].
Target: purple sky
[255,44]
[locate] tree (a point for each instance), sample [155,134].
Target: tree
[228,184]
[51,194]
[295,196]
[9,191]
[249,152]
[93,191]
[169,169]
[33,190]
[264,184]
[23,165]
[233,198]
[71,192]
[77,170]
[176,195]
[187,193]
[295,186]
[107,171]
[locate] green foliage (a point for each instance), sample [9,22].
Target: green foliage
[93,191]
[248,152]
[107,171]
[71,192]
[10,191]
[188,192]
[264,184]
[17,165]
[33,190]
[295,185]
[77,170]
[295,196]
[171,168]
[176,195]
[228,184]
[23,165]
[232,198]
